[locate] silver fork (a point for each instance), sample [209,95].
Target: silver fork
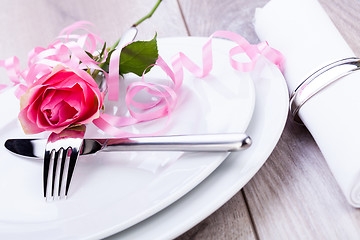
[65,148]
[61,154]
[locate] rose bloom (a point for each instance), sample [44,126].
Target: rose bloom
[59,100]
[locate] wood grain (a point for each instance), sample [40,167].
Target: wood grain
[228,222]
[345,16]
[38,23]
[202,18]
[295,186]
[294,195]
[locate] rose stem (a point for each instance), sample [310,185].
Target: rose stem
[140,21]
[149,15]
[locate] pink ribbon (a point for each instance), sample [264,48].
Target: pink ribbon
[167,96]
[113,77]
[71,53]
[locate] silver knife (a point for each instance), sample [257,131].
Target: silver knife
[228,142]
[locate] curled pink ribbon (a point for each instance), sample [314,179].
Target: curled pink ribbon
[71,52]
[167,96]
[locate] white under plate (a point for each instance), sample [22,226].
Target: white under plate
[266,126]
[113,191]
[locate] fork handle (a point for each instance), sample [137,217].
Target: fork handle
[205,143]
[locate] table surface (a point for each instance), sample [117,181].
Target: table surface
[294,195]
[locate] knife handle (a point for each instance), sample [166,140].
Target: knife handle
[227,142]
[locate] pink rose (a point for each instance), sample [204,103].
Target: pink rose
[63,98]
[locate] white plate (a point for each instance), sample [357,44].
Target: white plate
[111,192]
[266,126]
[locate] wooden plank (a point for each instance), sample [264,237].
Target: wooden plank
[231,221]
[203,17]
[38,23]
[294,196]
[345,15]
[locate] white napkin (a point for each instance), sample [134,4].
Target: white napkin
[303,32]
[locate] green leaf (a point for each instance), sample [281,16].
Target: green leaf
[105,65]
[89,54]
[137,56]
[100,57]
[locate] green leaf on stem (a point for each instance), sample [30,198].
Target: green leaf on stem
[89,54]
[138,56]
[102,51]
[135,57]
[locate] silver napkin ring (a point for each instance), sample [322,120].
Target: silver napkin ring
[320,80]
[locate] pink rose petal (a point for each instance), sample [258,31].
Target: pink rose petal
[62,98]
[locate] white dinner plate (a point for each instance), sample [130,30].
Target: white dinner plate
[113,191]
[266,126]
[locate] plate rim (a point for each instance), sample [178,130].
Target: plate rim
[147,227]
[252,108]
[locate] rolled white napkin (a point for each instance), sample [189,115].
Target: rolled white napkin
[304,33]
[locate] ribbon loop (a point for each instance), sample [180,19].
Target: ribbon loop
[73,52]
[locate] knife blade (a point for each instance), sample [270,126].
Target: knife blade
[228,142]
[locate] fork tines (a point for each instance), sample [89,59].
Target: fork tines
[58,170]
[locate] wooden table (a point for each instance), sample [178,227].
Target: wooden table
[294,195]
